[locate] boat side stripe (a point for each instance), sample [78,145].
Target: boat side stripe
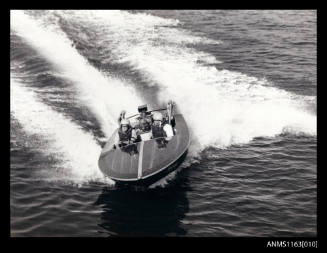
[139,171]
[153,155]
[113,161]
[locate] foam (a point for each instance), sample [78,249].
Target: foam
[103,94]
[136,30]
[222,107]
[77,150]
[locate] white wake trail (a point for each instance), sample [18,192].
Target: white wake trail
[77,150]
[104,95]
[221,107]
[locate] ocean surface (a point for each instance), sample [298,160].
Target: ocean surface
[245,82]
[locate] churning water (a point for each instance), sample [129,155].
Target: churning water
[245,82]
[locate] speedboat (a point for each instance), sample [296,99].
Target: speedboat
[148,160]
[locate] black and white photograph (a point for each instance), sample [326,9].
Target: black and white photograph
[164,123]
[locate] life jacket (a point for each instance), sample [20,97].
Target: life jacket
[158,131]
[125,136]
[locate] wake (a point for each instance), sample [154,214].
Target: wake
[104,95]
[75,149]
[221,107]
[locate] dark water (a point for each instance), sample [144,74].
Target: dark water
[245,82]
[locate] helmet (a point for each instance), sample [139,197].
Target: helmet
[157,116]
[124,122]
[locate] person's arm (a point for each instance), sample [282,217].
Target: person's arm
[169,131]
[134,136]
[172,121]
[116,141]
[121,116]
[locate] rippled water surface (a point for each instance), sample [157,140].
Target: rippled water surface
[245,82]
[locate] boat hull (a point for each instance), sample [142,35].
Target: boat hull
[144,163]
[155,178]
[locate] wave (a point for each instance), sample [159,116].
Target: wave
[103,94]
[75,149]
[222,107]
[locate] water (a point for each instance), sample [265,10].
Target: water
[244,80]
